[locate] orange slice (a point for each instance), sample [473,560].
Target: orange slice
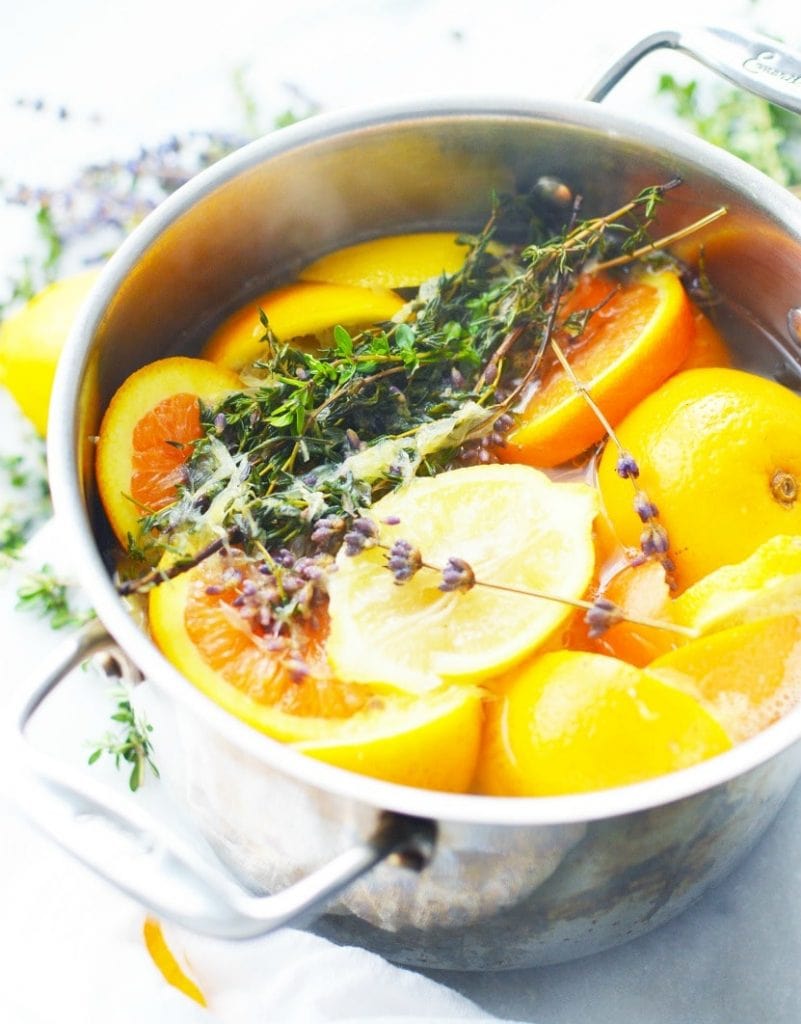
[749,675]
[513,526]
[394,261]
[707,347]
[642,592]
[146,436]
[196,623]
[297,311]
[630,345]
[571,722]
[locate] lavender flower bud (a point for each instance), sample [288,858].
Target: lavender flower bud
[403,561]
[627,467]
[654,540]
[457,575]
[362,535]
[644,507]
[366,527]
[219,423]
[602,616]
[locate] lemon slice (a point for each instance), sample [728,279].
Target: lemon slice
[297,311]
[766,583]
[394,261]
[514,527]
[749,675]
[572,722]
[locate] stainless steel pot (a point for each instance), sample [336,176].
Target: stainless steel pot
[500,882]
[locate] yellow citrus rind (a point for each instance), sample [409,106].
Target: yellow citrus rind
[141,392]
[513,526]
[297,311]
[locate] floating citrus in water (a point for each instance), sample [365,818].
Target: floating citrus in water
[297,311]
[719,453]
[392,261]
[512,526]
[633,342]
[767,583]
[146,436]
[284,686]
[571,722]
[749,675]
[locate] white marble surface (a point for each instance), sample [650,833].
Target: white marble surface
[150,69]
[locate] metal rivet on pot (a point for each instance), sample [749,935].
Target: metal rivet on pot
[553,190]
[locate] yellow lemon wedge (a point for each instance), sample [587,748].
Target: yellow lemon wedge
[749,675]
[31,340]
[393,261]
[572,722]
[766,583]
[194,620]
[297,311]
[513,526]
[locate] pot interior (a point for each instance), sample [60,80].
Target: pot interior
[253,220]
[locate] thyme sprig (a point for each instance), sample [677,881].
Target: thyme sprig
[319,435]
[48,596]
[130,743]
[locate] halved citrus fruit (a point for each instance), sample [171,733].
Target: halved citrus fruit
[749,675]
[767,583]
[393,261]
[642,592]
[297,311]
[513,527]
[719,454]
[146,436]
[286,689]
[31,340]
[707,347]
[572,721]
[630,345]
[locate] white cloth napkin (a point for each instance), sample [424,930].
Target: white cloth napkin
[74,948]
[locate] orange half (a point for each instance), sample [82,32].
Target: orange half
[629,346]
[146,436]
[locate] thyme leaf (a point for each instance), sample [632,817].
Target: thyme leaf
[47,596]
[130,744]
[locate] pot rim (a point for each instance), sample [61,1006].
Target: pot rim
[70,513]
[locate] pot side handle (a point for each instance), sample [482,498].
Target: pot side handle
[754,63]
[137,853]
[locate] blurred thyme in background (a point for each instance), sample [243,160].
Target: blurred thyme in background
[48,596]
[762,134]
[130,744]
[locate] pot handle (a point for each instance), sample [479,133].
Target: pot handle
[146,860]
[753,62]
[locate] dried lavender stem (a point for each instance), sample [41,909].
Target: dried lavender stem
[576,602]
[662,243]
[128,587]
[584,392]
